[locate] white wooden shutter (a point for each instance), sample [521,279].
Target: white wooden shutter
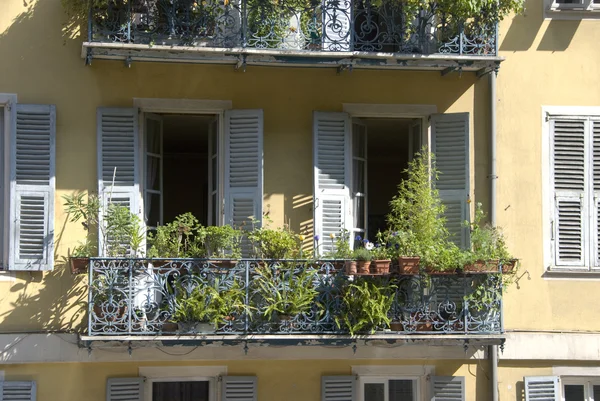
[118,159]
[569,181]
[239,388]
[32,181]
[338,388]
[17,391]
[125,389]
[450,145]
[595,232]
[243,167]
[331,163]
[541,388]
[447,388]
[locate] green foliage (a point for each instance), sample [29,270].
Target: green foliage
[362,254]
[340,246]
[279,243]
[487,242]
[182,238]
[195,306]
[381,251]
[229,303]
[222,241]
[285,291]
[365,306]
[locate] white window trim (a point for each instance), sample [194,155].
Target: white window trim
[210,374]
[183,106]
[586,381]
[586,10]
[379,373]
[8,102]
[556,111]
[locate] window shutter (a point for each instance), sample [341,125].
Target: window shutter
[32,175]
[332,160]
[541,388]
[125,389]
[447,388]
[243,168]
[239,388]
[595,126]
[450,145]
[338,388]
[118,160]
[18,391]
[569,180]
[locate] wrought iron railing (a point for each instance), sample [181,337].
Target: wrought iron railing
[136,297]
[389,26]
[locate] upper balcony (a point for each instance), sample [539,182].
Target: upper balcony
[339,33]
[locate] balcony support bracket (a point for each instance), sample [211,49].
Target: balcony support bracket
[448,70]
[241,64]
[344,67]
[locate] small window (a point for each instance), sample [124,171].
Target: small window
[388,389]
[580,389]
[180,391]
[573,8]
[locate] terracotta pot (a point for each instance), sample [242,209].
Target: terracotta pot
[350,267]
[381,266]
[364,266]
[396,326]
[118,316]
[482,266]
[425,326]
[408,264]
[509,266]
[79,265]
[169,327]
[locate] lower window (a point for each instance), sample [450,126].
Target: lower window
[580,390]
[389,389]
[180,391]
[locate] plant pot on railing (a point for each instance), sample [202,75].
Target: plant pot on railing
[380,266]
[396,326]
[482,266]
[195,327]
[350,267]
[79,265]
[363,266]
[408,264]
[509,266]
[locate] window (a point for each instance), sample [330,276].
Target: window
[576,4]
[580,389]
[565,388]
[572,9]
[574,173]
[180,391]
[390,389]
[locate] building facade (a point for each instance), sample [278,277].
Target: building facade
[309,119]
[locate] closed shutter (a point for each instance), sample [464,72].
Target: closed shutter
[18,391]
[125,389]
[239,388]
[447,388]
[450,145]
[32,181]
[541,388]
[332,159]
[569,181]
[118,161]
[338,388]
[243,169]
[595,126]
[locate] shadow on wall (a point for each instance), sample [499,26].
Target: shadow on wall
[524,29]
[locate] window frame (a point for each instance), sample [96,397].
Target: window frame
[586,382]
[362,380]
[8,103]
[548,114]
[586,9]
[212,374]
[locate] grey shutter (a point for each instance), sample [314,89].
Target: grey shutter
[125,389]
[447,388]
[243,168]
[239,388]
[18,391]
[569,182]
[595,127]
[118,160]
[32,182]
[338,388]
[541,388]
[332,160]
[450,145]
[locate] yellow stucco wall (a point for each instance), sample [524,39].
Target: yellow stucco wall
[547,63]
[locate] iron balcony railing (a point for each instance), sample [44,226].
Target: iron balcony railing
[138,297]
[387,26]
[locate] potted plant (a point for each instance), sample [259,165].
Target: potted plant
[229,303]
[363,259]
[194,311]
[284,292]
[182,238]
[222,242]
[274,244]
[341,254]
[365,306]
[380,254]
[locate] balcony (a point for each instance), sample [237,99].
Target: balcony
[247,300]
[342,33]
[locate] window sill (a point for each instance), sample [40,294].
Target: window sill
[572,13]
[571,274]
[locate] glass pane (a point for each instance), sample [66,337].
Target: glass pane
[153,209]
[359,213]
[574,392]
[180,391]
[596,391]
[400,390]
[374,392]
[213,139]
[214,174]
[153,173]
[153,136]
[213,216]
[358,141]
[358,176]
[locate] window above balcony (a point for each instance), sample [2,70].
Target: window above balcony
[342,33]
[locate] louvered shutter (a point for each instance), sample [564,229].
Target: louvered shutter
[125,389]
[239,388]
[338,388]
[447,388]
[569,181]
[32,180]
[541,388]
[243,168]
[332,160]
[118,160]
[18,391]
[595,127]
[450,145]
